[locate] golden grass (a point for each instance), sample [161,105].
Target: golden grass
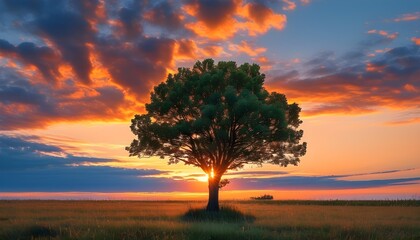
[162,220]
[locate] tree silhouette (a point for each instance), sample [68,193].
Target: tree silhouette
[218,117]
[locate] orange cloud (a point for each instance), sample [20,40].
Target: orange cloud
[214,21]
[390,36]
[231,17]
[305,2]
[185,49]
[408,17]
[388,82]
[405,121]
[224,31]
[382,50]
[211,51]
[371,67]
[416,40]
[246,48]
[260,19]
[164,14]
[289,5]
[265,63]
[410,88]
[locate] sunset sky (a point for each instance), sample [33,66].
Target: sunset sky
[73,73]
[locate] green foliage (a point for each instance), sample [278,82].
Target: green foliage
[220,117]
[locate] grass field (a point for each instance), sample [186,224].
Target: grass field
[164,220]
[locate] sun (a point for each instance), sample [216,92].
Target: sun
[203,178]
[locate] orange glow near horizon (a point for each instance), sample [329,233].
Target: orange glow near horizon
[381,193]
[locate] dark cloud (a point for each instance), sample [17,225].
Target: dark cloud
[24,104]
[259,11]
[43,58]
[6,47]
[374,173]
[71,33]
[27,164]
[33,6]
[117,40]
[87,7]
[137,67]
[313,183]
[17,94]
[96,45]
[214,12]
[157,50]
[390,80]
[91,179]
[65,24]
[20,153]
[253,173]
[130,19]
[321,58]
[165,15]
[402,51]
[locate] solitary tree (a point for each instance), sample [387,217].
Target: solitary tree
[218,117]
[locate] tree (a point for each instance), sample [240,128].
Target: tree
[218,117]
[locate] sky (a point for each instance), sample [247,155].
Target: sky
[74,73]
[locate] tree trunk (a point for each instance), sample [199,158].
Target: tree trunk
[213,203]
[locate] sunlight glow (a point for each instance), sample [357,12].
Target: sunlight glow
[204,178]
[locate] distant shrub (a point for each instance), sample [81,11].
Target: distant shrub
[263,197]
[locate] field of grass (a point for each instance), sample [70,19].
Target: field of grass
[166,220]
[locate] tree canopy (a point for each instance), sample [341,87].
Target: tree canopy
[218,117]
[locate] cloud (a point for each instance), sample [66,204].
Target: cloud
[22,153]
[264,62]
[305,2]
[130,22]
[138,66]
[84,60]
[313,183]
[383,33]
[27,103]
[44,58]
[374,173]
[405,121]
[408,17]
[289,5]
[27,164]
[247,174]
[245,47]
[87,179]
[98,58]
[215,19]
[416,40]
[70,33]
[377,38]
[390,80]
[186,49]
[164,14]
[261,18]
[223,19]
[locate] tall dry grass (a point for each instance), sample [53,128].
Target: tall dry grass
[163,220]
